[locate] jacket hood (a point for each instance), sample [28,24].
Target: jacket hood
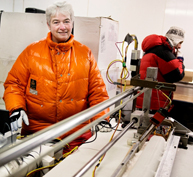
[155,40]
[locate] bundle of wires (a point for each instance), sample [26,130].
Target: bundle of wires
[124,72]
[164,130]
[124,75]
[53,165]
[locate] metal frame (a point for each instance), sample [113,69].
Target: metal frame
[135,81]
[48,134]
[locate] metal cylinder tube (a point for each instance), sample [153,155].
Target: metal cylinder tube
[58,129]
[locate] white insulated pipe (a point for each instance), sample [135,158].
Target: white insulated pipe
[148,162]
[9,168]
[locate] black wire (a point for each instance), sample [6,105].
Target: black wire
[114,126]
[35,152]
[104,126]
[37,166]
[94,138]
[116,130]
[8,126]
[85,141]
[41,171]
[18,162]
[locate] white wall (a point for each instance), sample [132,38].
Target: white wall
[139,17]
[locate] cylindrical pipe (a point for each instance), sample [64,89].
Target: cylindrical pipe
[149,159]
[103,150]
[57,129]
[122,167]
[71,137]
[147,133]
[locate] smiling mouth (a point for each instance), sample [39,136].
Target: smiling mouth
[62,33]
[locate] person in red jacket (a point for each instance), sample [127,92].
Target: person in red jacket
[54,78]
[164,53]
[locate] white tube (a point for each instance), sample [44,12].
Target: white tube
[148,161]
[10,168]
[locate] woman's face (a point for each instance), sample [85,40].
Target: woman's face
[60,26]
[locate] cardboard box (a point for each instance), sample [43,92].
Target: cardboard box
[111,88]
[20,29]
[100,34]
[17,31]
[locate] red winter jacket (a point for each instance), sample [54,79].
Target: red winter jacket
[52,82]
[158,53]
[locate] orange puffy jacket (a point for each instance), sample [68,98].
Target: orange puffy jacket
[52,82]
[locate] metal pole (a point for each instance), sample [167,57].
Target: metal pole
[84,169]
[71,137]
[121,168]
[57,129]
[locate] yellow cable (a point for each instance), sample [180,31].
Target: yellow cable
[102,157]
[68,153]
[124,74]
[170,101]
[64,155]
[136,42]
[42,168]
[117,60]
[19,137]
[124,71]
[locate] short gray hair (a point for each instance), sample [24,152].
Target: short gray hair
[62,7]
